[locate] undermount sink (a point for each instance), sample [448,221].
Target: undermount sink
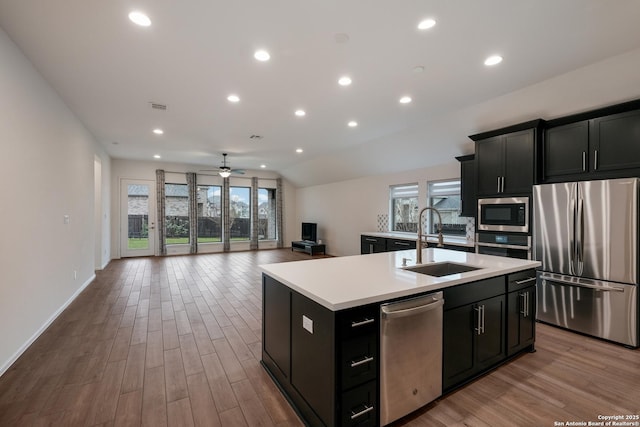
[441,269]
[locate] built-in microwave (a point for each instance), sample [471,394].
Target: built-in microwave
[504,214]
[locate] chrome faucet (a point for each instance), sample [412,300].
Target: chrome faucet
[419,242]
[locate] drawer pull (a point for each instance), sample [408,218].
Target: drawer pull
[362,322]
[402,243]
[366,409]
[362,361]
[371,240]
[530,279]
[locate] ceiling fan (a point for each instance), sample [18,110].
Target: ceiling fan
[224,170]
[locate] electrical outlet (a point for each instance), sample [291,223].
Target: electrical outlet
[75,274]
[67,219]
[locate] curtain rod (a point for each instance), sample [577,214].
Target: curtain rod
[206,174]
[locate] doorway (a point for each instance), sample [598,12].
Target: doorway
[138,218]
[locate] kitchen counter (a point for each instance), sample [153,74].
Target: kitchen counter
[431,238]
[346,282]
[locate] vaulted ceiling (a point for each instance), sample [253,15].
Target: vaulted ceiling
[196,53]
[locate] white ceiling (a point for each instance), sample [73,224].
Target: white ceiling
[197,52]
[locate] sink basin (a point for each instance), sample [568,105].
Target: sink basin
[441,269]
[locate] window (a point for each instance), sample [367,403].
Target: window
[209,213]
[404,207]
[445,197]
[240,213]
[267,214]
[177,213]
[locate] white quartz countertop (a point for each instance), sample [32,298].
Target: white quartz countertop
[431,238]
[351,281]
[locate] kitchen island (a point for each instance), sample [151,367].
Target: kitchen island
[321,324]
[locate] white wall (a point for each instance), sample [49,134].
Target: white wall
[345,209]
[47,172]
[141,170]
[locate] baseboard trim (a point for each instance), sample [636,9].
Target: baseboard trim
[5,367]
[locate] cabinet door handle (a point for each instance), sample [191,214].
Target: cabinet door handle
[527,280]
[523,304]
[401,243]
[371,240]
[362,322]
[595,160]
[478,329]
[526,307]
[482,327]
[366,409]
[370,248]
[498,184]
[362,361]
[584,161]
[502,188]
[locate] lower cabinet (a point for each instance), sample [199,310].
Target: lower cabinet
[474,332]
[325,361]
[372,244]
[521,312]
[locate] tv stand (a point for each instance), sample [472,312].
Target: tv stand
[308,246]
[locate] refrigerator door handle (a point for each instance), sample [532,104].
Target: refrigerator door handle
[572,233]
[558,278]
[580,238]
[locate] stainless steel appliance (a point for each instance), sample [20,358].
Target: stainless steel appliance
[504,244]
[410,355]
[504,214]
[586,236]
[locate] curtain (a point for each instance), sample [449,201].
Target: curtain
[226,217]
[279,213]
[254,214]
[193,212]
[162,232]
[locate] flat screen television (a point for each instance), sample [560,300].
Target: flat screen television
[310,231]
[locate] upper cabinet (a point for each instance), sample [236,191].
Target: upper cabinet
[467,185]
[596,145]
[505,160]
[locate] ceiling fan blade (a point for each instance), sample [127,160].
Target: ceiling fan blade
[238,171]
[209,170]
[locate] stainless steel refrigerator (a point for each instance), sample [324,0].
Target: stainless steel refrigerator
[586,236]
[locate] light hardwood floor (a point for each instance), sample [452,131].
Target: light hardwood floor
[177,340]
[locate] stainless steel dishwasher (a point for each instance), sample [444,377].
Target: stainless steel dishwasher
[410,355]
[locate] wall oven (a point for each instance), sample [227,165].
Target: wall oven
[510,245]
[505,214]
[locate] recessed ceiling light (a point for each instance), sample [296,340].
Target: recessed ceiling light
[156,156]
[299,150]
[262,55]
[405,100]
[300,113]
[493,60]
[344,81]
[418,69]
[352,124]
[158,131]
[139,18]
[263,166]
[233,98]
[426,24]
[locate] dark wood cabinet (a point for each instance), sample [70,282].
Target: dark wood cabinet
[599,144]
[326,362]
[566,150]
[474,330]
[468,206]
[400,244]
[505,164]
[372,245]
[521,311]
[615,141]
[505,160]
[276,329]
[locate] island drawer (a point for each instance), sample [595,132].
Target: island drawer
[358,321]
[521,280]
[460,295]
[358,406]
[358,360]
[400,244]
